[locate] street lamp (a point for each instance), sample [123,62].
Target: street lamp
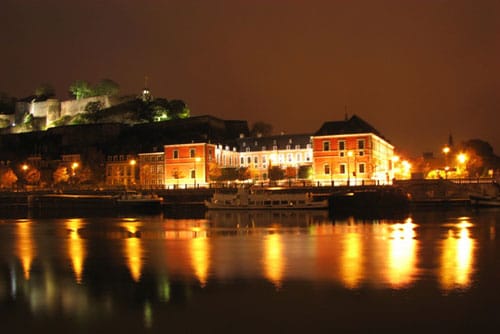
[462,159]
[197,159]
[349,154]
[74,166]
[132,170]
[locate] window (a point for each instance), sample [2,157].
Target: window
[326,146]
[263,148]
[361,153]
[209,155]
[193,174]
[342,168]
[249,160]
[326,169]
[297,147]
[192,152]
[299,157]
[242,161]
[341,145]
[288,147]
[289,157]
[361,144]
[361,168]
[247,149]
[176,154]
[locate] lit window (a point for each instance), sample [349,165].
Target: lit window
[341,145]
[361,168]
[342,168]
[326,168]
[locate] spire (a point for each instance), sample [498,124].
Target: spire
[146,94]
[450,140]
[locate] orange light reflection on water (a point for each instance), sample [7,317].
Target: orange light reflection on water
[25,247]
[457,257]
[133,249]
[76,247]
[273,259]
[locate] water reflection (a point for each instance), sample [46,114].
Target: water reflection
[351,262]
[168,261]
[25,247]
[76,247]
[457,257]
[133,249]
[273,260]
[402,254]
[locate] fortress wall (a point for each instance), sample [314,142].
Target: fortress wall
[73,107]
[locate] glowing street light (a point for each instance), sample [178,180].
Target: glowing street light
[132,164]
[196,160]
[349,154]
[24,167]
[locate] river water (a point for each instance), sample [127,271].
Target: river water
[247,272]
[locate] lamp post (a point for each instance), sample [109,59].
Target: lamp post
[132,170]
[462,159]
[446,150]
[349,154]
[25,168]
[196,160]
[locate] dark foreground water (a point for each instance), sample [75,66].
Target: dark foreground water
[241,272]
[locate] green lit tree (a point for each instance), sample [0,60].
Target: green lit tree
[106,87]
[81,89]
[45,90]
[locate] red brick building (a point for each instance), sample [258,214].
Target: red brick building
[351,152]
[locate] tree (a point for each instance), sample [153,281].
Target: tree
[178,109]
[276,173]
[45,90]
[243,173]
[61,175]
[7,178]
[305,172]
[92,110]
[7,104]
[261,129]
[80,89]
[32,176]
[106,87]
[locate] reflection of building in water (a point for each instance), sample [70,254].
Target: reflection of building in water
[25,247]
[351,262]
[133,250]
[457,257]
[200,256]
[76,248]
[402,254]
[259,218]
[274,261]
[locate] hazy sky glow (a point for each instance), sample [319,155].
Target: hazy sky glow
[415,69]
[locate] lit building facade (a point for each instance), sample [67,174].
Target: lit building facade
[289,152]
[152,169]
[121,170]
[196,164]
[351,152]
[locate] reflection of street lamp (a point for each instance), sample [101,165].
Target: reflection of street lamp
[197,159]
[349,154]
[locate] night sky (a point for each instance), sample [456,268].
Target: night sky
[417,70]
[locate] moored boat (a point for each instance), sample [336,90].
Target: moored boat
[484,200]
[247,198]
[134,200]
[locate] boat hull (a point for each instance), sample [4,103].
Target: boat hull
[309,206]
[485,201]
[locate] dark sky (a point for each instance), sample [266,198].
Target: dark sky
[417,70]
